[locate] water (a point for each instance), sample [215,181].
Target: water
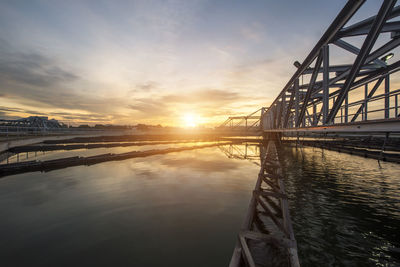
[58,154]
[179,209]
[185,209]
[345,209]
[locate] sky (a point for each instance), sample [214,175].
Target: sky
[152,61]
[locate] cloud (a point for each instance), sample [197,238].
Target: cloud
[33,79]
[154,66]
[32,69]
[149,106]
[16,113]
[212,105]
[7,109]
[200,100]
[145,87]
[254,31]
[148,86]
[39,81]
[203,96]
[138,60]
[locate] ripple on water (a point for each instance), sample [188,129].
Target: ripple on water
[345,209]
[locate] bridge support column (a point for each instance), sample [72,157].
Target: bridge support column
[315,122]
[365,117]
[346,109]
[296,100]
[325,83]
[283,111]
[387,91]
[262,119]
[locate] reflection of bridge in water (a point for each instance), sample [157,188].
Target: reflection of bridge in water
[350,97]
[267,234]
[243,151]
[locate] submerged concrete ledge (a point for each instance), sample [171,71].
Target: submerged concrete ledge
[44,147]
[7,144]
[30,166]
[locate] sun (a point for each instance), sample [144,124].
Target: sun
[190,120]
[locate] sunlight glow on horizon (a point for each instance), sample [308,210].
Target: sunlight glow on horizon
[151,62]
[190,120]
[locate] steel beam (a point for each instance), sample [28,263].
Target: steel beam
[388,27]
[374,55]
[310,88]
[346,108]
[342,68]
[341,19]
[244,117]
[325,82]
[297,100]
[364,106]
[280,111]
[364,23]
[387,91]
[365,117]
[378,73]
[288,109]
[383,14]
[355,50]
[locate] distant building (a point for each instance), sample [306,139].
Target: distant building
[34,121]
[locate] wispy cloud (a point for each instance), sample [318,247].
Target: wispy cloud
[205,96]
[150,61]
[32,69]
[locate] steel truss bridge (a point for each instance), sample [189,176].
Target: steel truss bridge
[327,93]
[346,85]
[250,123]
[342,97]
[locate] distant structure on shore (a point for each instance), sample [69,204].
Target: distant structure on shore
[42,124]
[34,121]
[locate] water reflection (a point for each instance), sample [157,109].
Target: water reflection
[345,209]
[10,157]
[167,210]
[186,208]
[244,151]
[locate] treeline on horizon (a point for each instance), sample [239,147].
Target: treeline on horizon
[139,126]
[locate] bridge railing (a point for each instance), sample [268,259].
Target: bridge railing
[369,108]
[243,124]
[334,94]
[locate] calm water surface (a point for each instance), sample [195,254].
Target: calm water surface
[185,209]
[179,209]
[58,154]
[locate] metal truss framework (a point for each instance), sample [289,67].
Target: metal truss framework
[323,102]
[247,123]
[267,233]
